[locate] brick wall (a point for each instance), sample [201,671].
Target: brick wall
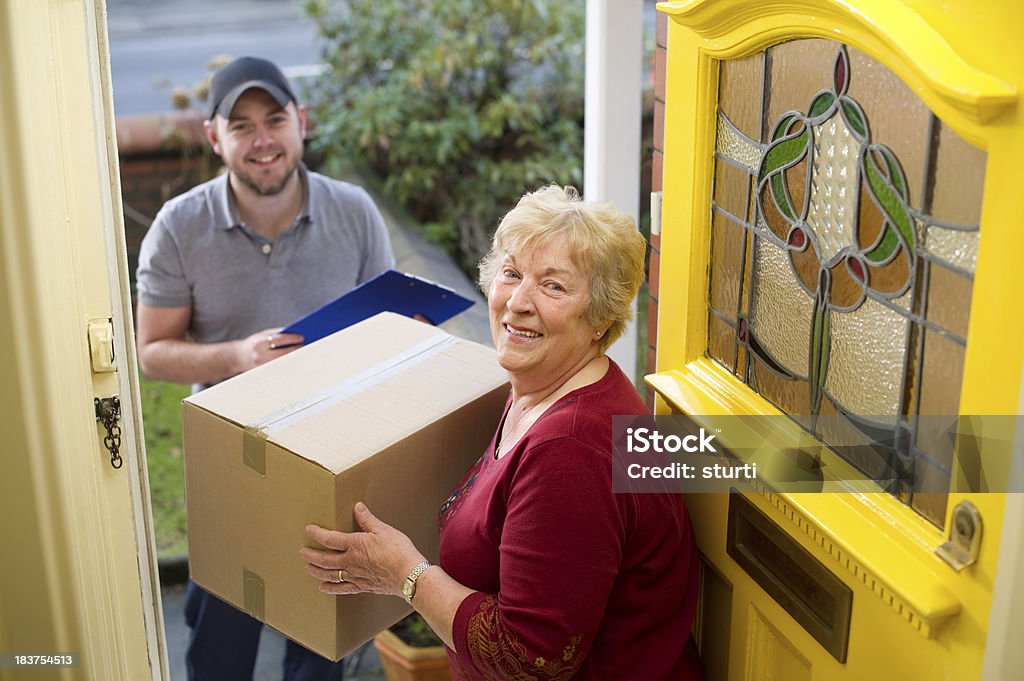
[657,159]
[160,157]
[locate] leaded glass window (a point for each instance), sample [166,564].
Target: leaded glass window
[844,239]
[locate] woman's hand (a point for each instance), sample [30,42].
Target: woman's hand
[376,560]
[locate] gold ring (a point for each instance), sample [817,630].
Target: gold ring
[270,342]
[341,575]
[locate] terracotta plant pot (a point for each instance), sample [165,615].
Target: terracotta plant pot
[403,662]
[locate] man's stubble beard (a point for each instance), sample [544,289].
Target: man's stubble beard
[272,190]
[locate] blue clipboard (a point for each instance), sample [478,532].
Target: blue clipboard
[390,291]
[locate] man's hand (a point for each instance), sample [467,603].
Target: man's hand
[166,353]
[263,346]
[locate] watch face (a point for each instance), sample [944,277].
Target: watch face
[407,588]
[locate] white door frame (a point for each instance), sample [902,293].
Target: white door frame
[612,122]
[1004,656]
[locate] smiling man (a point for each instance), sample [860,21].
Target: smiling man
[225,266]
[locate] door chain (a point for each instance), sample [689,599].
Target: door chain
[108,412]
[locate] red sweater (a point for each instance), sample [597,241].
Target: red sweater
[572,580]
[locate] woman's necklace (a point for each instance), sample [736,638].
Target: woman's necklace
[510,429]
[517,424]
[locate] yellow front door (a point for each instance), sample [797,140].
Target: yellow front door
[839,238]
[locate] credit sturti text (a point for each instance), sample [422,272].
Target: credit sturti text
[642,440]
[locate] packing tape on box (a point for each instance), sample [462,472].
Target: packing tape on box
[252,594]
[254,437]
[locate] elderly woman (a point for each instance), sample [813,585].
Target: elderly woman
[544,572]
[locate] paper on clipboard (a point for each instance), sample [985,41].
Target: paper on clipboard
[391,291]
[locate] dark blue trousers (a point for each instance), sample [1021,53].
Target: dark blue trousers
[223,643]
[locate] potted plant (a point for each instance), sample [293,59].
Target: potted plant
[411,651]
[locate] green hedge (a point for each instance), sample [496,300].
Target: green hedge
[459,106]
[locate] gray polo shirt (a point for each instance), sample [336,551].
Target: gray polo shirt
[198,254]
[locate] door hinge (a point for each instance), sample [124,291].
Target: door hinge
[108,412]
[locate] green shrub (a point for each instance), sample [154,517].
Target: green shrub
[414,631]
[459,106]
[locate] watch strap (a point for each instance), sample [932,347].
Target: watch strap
[409,586]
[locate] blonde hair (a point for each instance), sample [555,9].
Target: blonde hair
[600,238]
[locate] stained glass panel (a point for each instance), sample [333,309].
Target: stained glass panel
[959,180]
[726,253]
[741,94]
[954,247]
[780,312]
[898,118]
[778,389]
[731,190]
[932,505]
[867,352]
[854,279]
[941,376]
[796,71]
[949,294]
[735,146]
[722,342]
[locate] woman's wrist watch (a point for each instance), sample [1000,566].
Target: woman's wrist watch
[409,585]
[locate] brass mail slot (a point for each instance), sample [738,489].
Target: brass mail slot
[805,588]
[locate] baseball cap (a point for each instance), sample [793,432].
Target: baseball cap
[231,80]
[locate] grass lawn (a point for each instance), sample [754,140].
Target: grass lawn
[161,414]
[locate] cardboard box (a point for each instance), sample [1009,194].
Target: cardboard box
[389,411]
